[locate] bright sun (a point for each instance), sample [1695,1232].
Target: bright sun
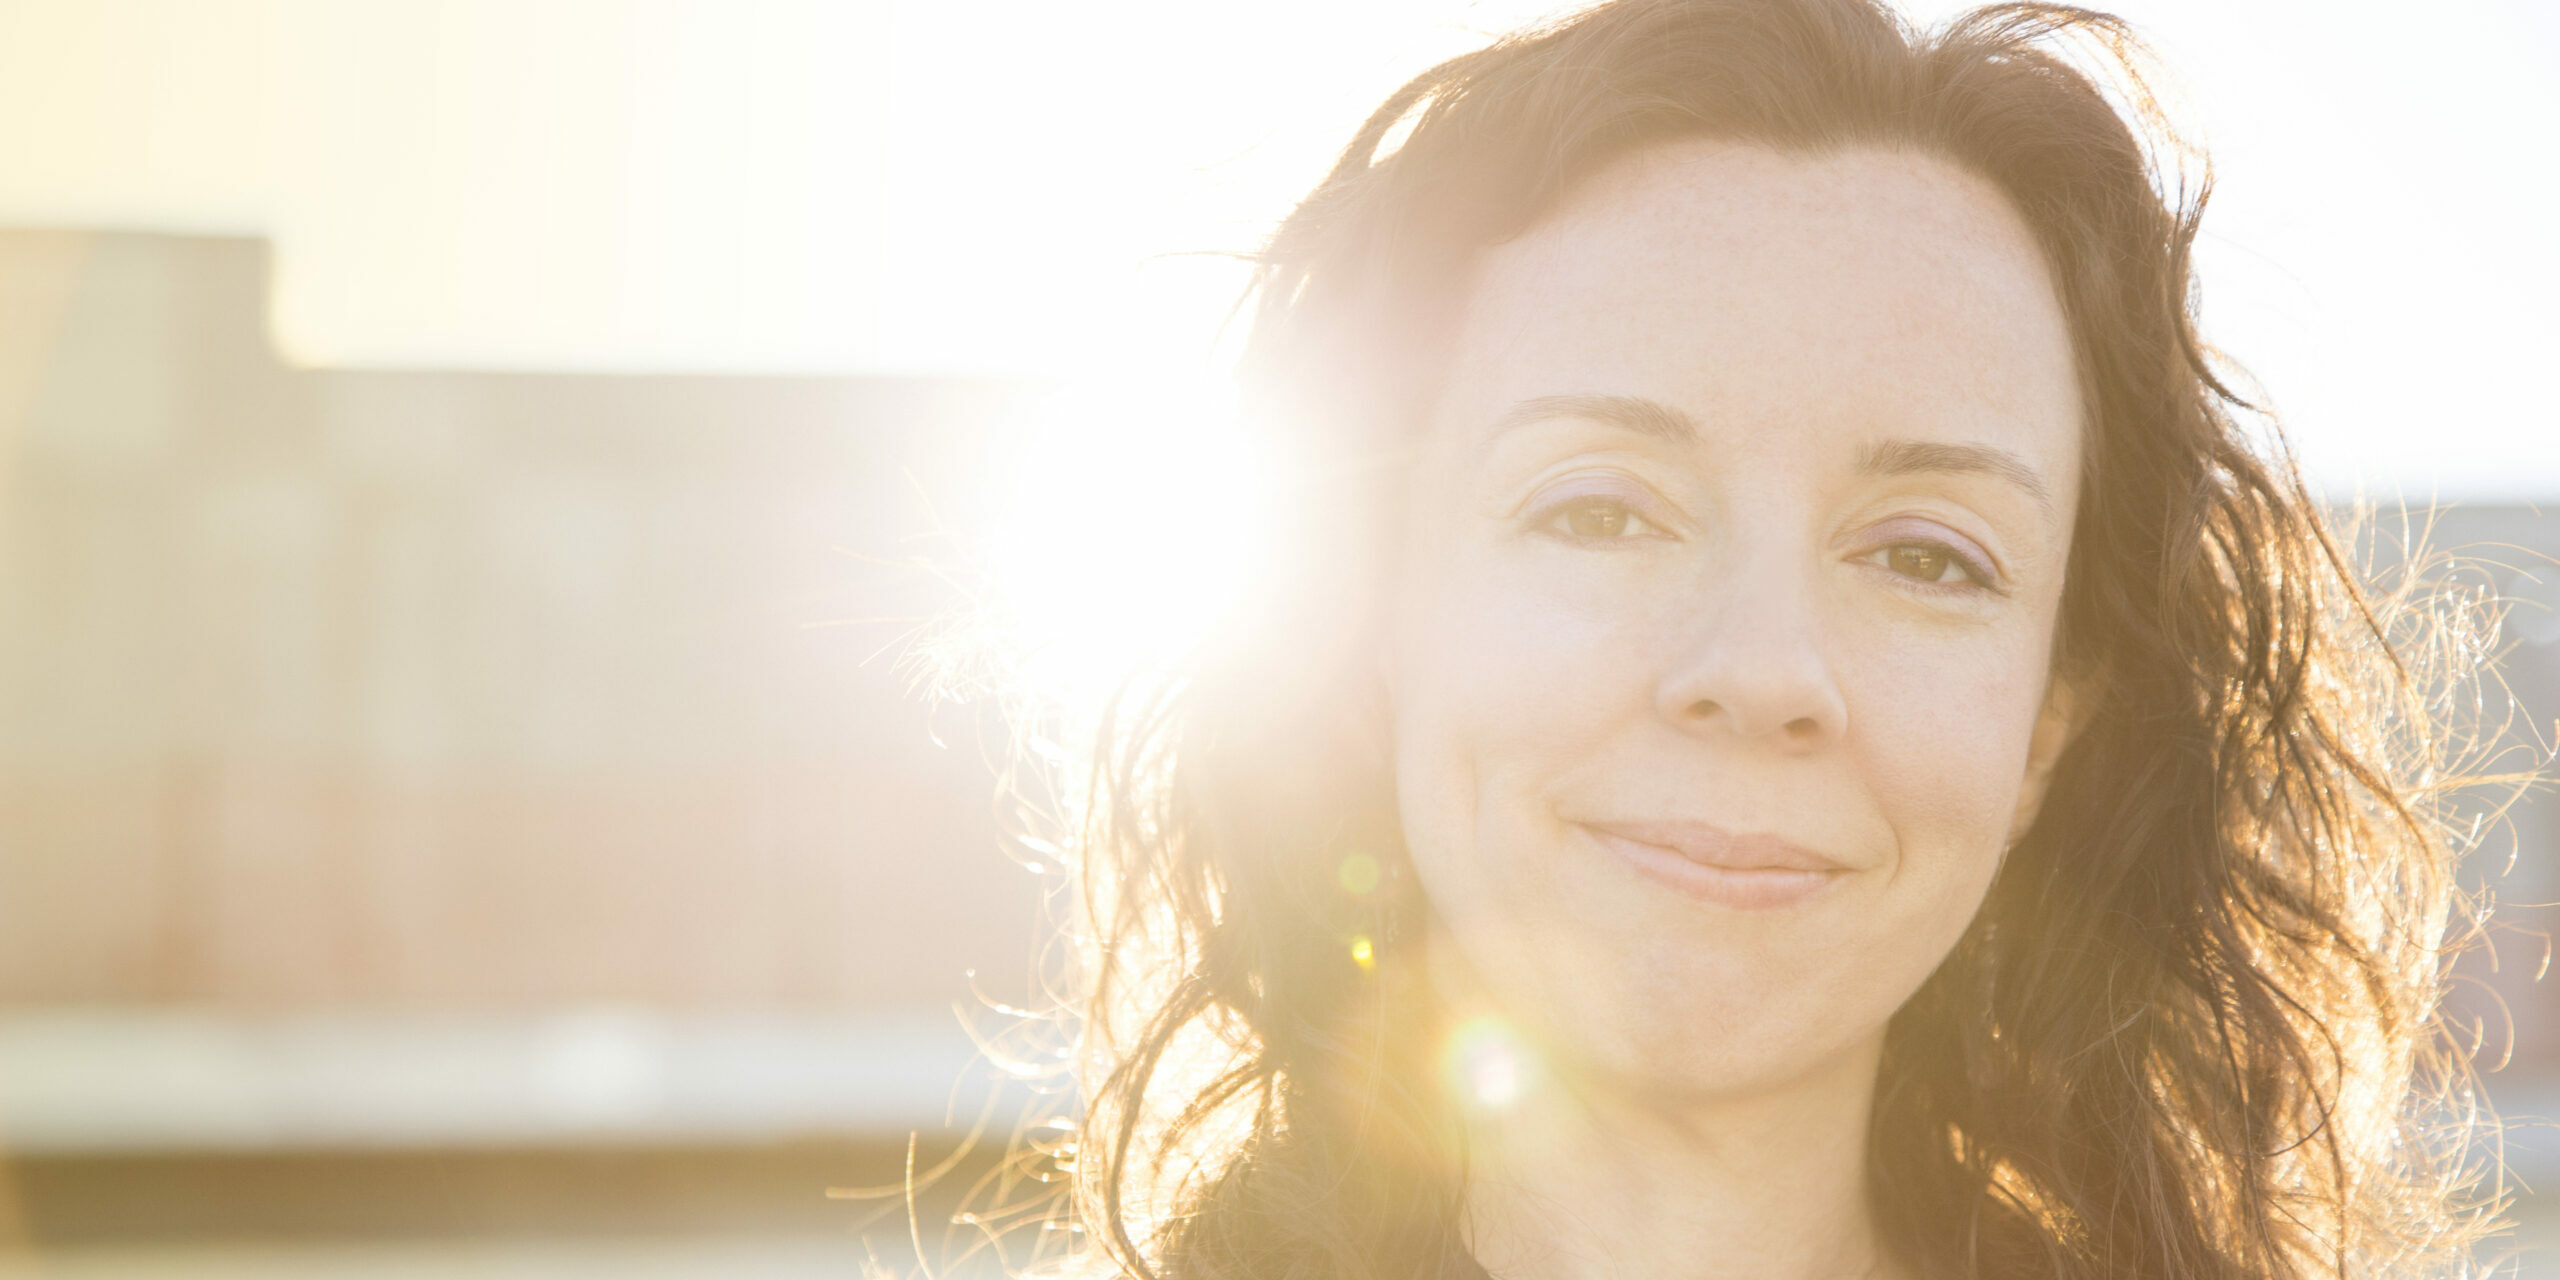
[1134,513]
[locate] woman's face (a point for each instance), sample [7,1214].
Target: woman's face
[1719,664]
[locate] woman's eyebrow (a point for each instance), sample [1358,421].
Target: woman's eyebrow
[1910,457]
[1635,413]
[1882,458]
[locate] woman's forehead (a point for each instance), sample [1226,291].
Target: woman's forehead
[1732,280]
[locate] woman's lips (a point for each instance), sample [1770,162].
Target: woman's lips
[1712,865]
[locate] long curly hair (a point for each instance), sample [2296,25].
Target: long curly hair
[2192,1031]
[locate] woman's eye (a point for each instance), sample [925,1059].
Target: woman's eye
[1597,519]
[1930,563]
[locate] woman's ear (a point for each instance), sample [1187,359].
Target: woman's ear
[2067,703]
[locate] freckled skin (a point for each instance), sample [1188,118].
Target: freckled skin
[1737,641]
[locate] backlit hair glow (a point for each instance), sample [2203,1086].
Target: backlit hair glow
[2191,1032]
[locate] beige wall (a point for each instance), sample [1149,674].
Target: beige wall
[348,687]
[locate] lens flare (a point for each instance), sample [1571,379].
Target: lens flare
[1358,875]
[1487,1064]
[1364,953]
[1132,517]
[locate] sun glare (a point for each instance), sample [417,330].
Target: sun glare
[1133,514]
[1487,1064]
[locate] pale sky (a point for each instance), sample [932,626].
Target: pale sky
[904,186]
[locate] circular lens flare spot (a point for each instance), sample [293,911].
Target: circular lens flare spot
[1487,1063]
[1358,875]
[1364,953]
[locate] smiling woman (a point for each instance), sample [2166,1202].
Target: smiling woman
[1778,642]
[1802,737]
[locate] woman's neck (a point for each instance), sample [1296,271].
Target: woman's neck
[1583,1183]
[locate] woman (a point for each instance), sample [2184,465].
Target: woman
[1805,739]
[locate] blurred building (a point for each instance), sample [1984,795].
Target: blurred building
[418,788]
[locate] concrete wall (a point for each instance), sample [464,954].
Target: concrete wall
[462,688]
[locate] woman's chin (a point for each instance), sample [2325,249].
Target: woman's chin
[1703,1029]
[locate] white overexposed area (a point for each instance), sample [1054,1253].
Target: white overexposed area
[850,186]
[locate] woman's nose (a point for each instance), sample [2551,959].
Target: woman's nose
[1753,666]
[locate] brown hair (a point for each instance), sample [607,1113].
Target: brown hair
[2185,1032]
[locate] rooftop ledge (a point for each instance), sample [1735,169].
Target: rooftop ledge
[91,1080]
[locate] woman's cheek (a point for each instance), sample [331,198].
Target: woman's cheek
[1943,729]
[1501,682]
[1542,653]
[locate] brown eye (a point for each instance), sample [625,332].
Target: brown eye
[1597,518]
[1923,563]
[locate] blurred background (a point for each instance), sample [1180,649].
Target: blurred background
[469,471]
